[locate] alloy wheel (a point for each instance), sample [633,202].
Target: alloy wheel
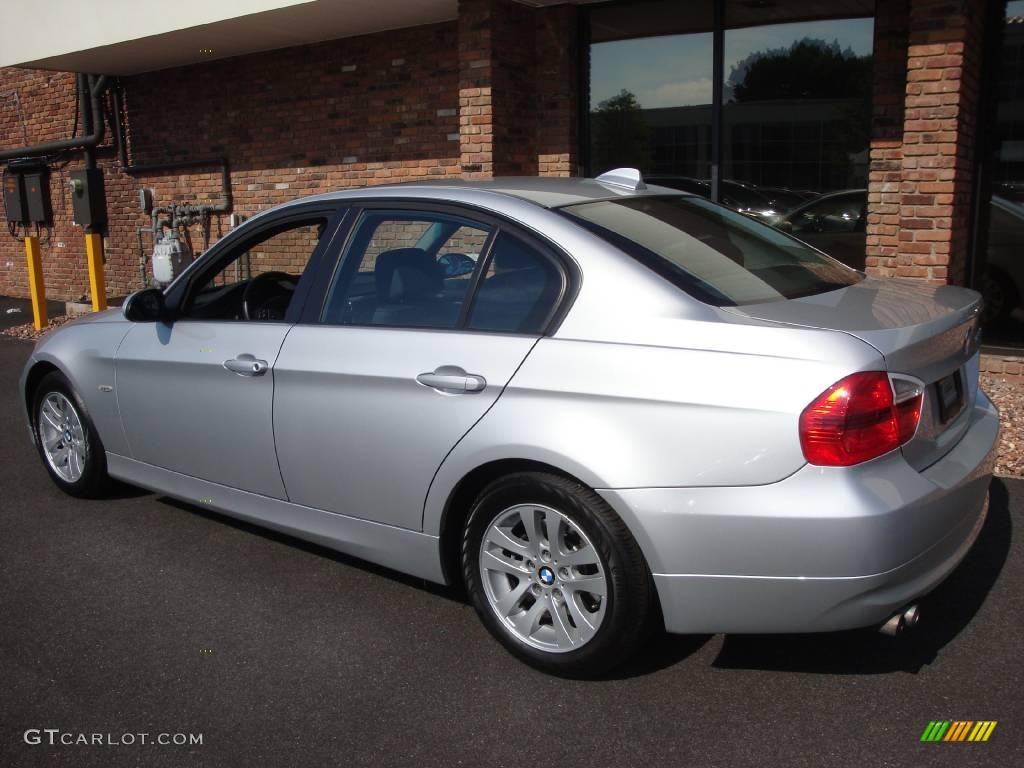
[62,437]
[543,578]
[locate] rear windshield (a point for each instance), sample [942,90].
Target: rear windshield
[719,256]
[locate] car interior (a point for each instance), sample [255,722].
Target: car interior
[416,287]
[254,285]
[425,285]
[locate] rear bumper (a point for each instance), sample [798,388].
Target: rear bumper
[825,549]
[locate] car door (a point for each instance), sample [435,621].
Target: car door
[405,357]
[196,393]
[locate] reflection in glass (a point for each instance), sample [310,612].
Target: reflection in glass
[796,107]
[651,87]
[1000,276]
[651,105]
[797,110]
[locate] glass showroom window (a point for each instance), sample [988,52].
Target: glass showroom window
[789,102]
[999,268]
[651,89]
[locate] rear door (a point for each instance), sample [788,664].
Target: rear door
[404,356]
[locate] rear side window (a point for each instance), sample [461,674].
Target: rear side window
[406,269]
[716,255]
[518,291]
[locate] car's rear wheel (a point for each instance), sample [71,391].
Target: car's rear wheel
[555,575]
[66,438]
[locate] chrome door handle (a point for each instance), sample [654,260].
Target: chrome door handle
[246,365]
[452,379]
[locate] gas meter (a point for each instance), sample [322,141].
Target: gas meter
[170,257]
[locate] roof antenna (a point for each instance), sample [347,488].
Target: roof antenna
[629,178]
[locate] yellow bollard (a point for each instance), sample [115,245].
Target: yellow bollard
[97,285]
[35,282]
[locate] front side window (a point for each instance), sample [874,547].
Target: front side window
[406,269]
[719,256]
[257,280]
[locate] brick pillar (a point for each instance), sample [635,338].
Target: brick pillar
[517,89]
[919,190]
[557,91]
[476,115]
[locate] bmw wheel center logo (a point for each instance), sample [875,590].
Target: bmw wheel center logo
[547,576]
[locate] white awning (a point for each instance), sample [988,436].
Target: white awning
[123,37]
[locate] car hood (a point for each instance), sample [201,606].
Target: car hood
[111,315]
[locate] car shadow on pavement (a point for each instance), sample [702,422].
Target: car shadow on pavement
[449,593]
[118,490]
[944,614]
[661,652]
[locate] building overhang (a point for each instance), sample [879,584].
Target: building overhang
[125,37]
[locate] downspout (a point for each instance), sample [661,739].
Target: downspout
[92,126]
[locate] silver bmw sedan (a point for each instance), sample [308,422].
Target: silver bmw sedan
[596,404]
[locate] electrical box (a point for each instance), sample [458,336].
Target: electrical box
[37,196]
[88,198]
[14,198]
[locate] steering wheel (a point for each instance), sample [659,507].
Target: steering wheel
[266,296]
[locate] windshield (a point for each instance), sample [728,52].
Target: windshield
[719,256]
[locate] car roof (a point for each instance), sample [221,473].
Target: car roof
[548,192]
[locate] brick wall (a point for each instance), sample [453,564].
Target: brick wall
[927,65]
[1005,367]
[365,110]
[518,83]
[399,105]
[557,100]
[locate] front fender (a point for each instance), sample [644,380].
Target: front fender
[85,353]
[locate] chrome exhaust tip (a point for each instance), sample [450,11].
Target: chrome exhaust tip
[911,616]
[901,620]
[893,626]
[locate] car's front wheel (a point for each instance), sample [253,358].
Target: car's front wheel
[555,575]
[66,438]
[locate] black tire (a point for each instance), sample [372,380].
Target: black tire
[94,479]
[631,602]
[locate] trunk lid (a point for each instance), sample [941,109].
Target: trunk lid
[927,331]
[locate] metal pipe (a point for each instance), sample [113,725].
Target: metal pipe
[87,115]
[92,135]
[157,224]
[122,150]
[142,257]
[225,178]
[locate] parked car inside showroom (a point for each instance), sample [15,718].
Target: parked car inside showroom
[638,408]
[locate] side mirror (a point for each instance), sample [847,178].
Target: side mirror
[146,306]
[785,226]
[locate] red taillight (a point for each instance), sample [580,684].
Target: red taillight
[859,418]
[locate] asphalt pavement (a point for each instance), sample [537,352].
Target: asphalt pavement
[139,614]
